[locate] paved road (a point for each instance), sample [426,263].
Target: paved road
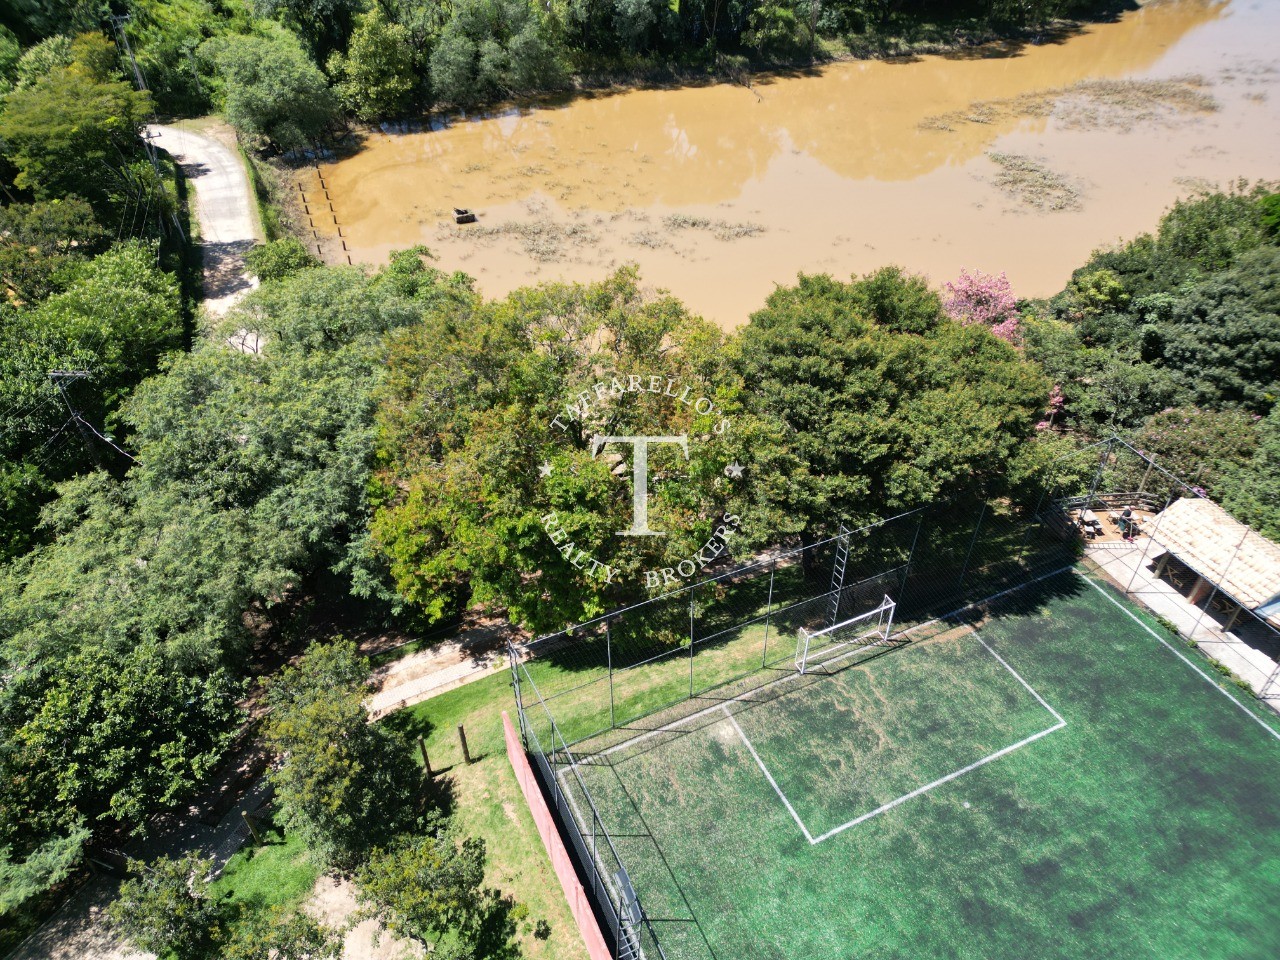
[224,208]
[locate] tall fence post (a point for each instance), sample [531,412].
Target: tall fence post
[692,591]
[1151,538]
[608,654]
[973,541]
[906,570]
[1097,477]
[768,616]
[1142,485]
[1031,526]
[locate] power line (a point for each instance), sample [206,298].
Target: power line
[88,431]
[117,22]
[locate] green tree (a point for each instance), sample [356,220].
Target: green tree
[324,24]
[38,240]
[112,737]
[275,935]
[36,19]
[428,888]
[1222,337]
[167,908]
[53,861]
[251,476]
[882,421]
[10,53]
[494,48]
[375,78]
[41,59]
[114,315]
[1197,446]
[71,133]
[453,68]
[279,258]
[342,784]
[1197,237]
[771,27]
[271,90]
[470,415]
[1251,490]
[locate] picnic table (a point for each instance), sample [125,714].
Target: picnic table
[1092,525]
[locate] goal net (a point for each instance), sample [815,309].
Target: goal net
[816,647]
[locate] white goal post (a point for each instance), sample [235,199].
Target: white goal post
[866,629]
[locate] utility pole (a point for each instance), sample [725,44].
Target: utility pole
[117,22]
[88,433]
[60,379]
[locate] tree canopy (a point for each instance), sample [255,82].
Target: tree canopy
[271,90]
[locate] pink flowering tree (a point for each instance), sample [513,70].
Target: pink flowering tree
[983,298]
[1056,402]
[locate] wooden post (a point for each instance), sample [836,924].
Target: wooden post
[1231,620]
[462,739]
[426,763]
[252,829]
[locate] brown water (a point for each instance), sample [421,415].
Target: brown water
[720,192]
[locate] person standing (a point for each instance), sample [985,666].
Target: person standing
[1127,531]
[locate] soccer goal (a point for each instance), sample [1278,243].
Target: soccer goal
[866,629]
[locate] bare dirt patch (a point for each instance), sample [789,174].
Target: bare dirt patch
[333,901]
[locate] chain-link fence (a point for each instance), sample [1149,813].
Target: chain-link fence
[1205,575]
[596,685]
[635,671]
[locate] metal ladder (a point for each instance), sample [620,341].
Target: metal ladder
[628,942]
[837,576]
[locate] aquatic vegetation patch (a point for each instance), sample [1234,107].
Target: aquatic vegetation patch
[1033,184]
[720,229]
[1092,104]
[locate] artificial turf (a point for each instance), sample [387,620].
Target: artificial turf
[1146,826]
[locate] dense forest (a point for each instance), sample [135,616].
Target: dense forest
[288,71]
[170,504]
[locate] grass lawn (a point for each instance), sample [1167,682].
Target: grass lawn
[488,804]
[277,874]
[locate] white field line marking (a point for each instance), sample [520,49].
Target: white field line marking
[1178,653]
[929,786]
[676,724]
[1016,676]
[919,790]
[768,776]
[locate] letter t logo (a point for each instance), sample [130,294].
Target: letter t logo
[640,478]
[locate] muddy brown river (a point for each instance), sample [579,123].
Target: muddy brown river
[1018,160]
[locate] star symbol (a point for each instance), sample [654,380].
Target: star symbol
[545,469]
[733,471]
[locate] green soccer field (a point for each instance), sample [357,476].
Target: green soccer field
[1059,782]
